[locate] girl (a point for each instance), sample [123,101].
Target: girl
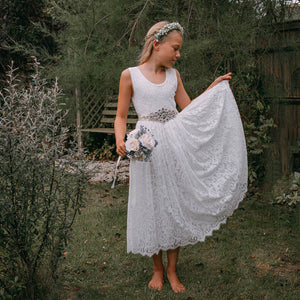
[198,172]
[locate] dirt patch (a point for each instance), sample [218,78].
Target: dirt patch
[283,265]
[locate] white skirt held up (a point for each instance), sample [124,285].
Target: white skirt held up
[196,177]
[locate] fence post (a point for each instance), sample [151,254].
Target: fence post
[78,118]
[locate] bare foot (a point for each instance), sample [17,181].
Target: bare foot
[156,283]
[176,285]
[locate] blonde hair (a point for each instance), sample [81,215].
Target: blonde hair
[148,46]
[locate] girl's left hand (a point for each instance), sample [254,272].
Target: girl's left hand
[220,79]
[224,77]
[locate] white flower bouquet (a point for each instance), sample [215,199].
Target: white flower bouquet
[140,144]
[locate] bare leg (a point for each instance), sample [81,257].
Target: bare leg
[176,285]
[156,282]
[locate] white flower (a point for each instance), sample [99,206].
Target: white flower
[132,144]
[166,29]
[140,143]
[147,141]
[133,133]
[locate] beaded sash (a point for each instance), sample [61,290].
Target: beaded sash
[162,115]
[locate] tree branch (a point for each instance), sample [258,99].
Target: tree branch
[136,22]
[91,32]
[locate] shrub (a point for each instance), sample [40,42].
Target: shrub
[286,191]
[42,184]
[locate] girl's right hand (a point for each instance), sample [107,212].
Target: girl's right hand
[121,148]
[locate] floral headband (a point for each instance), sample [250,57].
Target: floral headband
[166,29]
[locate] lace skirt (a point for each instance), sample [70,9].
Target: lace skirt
[196,177]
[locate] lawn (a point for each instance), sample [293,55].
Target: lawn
[255,255]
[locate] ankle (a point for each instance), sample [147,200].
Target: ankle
[159,268]
[171,269]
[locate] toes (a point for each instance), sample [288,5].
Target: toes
[180,289]
[155,286]
[176,285]
[156,283]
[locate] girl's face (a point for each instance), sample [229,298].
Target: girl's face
[169,49]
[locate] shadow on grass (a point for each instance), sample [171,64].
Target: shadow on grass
[253,256]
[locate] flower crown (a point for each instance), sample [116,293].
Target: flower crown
[166,29]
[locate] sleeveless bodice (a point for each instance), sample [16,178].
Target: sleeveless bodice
[150,97]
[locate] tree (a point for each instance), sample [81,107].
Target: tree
[26,29]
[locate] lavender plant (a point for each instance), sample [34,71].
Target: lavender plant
[42,184]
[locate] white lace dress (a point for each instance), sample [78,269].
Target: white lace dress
[198,171]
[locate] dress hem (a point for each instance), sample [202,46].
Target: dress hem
[186,243]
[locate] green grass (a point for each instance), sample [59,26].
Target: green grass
[255,255]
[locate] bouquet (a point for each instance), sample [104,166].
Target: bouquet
[140,144]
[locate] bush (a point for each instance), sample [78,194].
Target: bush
[42,184]
[286,191]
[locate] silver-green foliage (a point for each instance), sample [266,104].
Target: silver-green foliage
[42,183]
[286,190]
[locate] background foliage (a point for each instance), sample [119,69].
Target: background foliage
[87,44]
[101,38]
[42,184]
[26,30]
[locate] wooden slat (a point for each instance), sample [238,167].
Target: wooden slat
[131,121]
[111,104]
[111,112]
[114,112]
[112,120]
[103,130]
[115,105]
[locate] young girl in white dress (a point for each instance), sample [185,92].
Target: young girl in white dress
[197,174]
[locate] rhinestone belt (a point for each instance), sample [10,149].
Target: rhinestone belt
[162,115]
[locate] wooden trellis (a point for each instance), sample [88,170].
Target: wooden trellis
[99,116]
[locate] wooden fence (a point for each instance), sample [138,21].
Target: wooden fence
[280,67]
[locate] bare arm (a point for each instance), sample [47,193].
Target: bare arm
[181,96]
[125,94]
